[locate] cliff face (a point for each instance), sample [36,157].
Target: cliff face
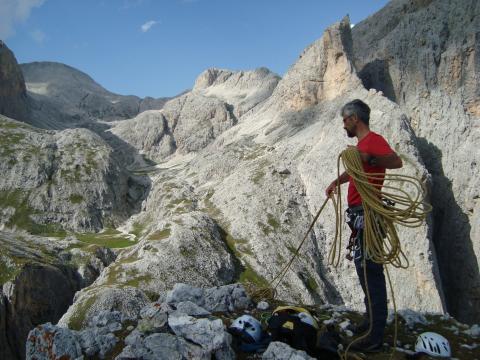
[425,56]
[13,93]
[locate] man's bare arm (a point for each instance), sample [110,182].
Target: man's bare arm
[390,161]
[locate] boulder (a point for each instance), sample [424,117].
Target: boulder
[163,347]
[189,308]
[209,334]
[281,351]
[47,342]
[90,301]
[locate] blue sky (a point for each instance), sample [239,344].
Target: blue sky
[179,38]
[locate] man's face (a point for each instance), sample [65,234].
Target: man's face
[350,125]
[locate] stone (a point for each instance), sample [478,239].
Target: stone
[156,323]
[90,301]
[163,346]
[209,334]
[227,298]
[46,342]
[195,250]
[97,341]
[183,292]
[281,351]
[110,319]
[192,309]
[152,309]
[263,305]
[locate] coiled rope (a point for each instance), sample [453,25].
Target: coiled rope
[384,207]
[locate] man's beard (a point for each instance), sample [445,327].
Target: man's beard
[349,133]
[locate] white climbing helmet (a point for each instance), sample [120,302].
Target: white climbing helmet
[433,344]
[247,325]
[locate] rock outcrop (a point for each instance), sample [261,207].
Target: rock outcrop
[60,180]
[242,90]
[195,119]
[13,93]
[39,277]
[424,55]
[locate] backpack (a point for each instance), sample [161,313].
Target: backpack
[294,326]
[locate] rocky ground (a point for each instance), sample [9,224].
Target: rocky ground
[192,323]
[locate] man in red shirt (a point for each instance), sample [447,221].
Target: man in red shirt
[376,156]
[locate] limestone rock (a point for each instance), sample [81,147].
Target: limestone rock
[48,341]
[189,249]
[88,302]
[217,299]
[29,304]
[183,292]
[227,298]
[163,347]
[196,120]
[243,90]
[424,55]
[13,93]
[149,132]
[5,350]
[77,96]
[59,180]
[281,351]
[209,334]
[189,308]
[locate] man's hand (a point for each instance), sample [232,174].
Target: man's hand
[331,189]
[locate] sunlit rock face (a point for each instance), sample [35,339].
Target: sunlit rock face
[424,55]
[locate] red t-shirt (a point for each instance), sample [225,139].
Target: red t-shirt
[372,144]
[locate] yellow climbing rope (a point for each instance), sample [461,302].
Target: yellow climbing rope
[402,203]
[383,207]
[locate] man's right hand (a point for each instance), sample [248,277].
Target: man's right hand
[331,189]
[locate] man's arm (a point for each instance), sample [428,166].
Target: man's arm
[390,161]
[342,179]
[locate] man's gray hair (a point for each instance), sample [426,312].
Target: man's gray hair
[359,108]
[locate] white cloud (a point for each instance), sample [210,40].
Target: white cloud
[38,36]
[13,12]
[147,26]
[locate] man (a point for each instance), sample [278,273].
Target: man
[376,156]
